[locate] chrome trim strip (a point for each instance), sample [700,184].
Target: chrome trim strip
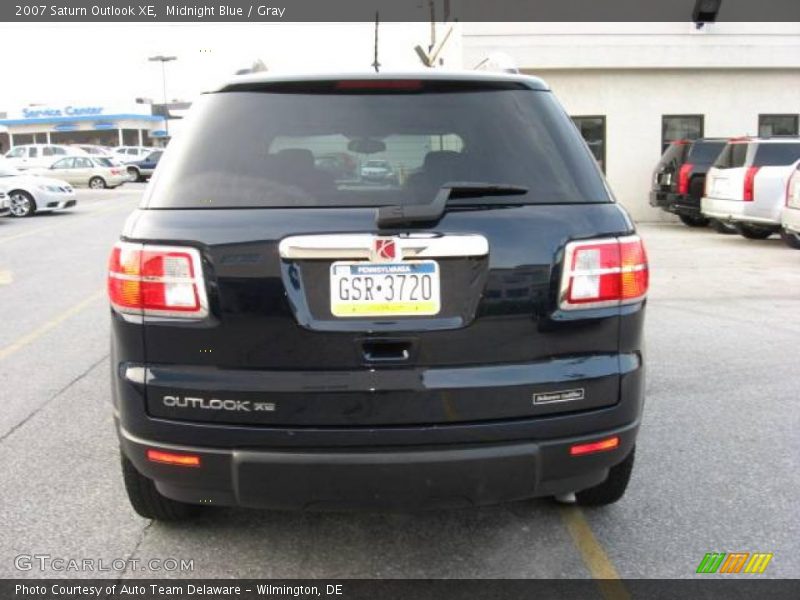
[359,245]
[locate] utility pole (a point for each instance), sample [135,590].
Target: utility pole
[163,60]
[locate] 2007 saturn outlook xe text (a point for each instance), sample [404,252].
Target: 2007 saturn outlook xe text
[467,333]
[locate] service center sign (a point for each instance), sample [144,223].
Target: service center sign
[67,111]
[80,111]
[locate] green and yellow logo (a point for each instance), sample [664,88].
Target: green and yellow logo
[734,562]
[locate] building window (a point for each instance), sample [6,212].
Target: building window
[593,130]
[769,125]
[680,127]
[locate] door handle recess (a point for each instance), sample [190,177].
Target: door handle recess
[384,351]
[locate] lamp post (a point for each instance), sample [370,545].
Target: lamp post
[163,60]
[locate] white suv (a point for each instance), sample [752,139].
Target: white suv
[28,156]
[746,185]
[790,216]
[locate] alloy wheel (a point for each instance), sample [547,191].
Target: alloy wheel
[20,205]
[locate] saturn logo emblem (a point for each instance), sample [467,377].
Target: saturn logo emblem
[384,250]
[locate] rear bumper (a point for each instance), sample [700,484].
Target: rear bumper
[399,466]
[738,211]
[660,199]
[380,478]
[118,180]
[679,204]
[790,219]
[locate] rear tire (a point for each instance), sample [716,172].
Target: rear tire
[721,227]
[612,489]
[134,174]
[693,221]
[97,183]
[791,239]
[148,502]
[753,232]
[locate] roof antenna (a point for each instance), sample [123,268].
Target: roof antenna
[376,65]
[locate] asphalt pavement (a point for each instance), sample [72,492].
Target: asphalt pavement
[716,467]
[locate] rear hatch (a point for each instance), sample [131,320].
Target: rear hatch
[302,328]
[665,175]
[772,163]
[725,180]
[701,156]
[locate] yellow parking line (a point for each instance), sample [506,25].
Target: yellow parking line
[63,224]
[48,326]
[593,554]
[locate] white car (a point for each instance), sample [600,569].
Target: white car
[746,186]
[29,194]
[96,172]
[126,154]
[377,170]
[790,216]
[29,156]
[5,203]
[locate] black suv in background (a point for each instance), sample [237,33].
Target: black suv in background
[679,180]
[469,333]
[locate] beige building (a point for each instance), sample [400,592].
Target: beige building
[633,87]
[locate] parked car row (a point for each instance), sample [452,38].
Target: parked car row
[30,156]
[26,194]
[738,185]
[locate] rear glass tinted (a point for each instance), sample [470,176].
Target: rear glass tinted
[103,162]
[705,153]
[673,155]
[732,156]
[265,149]
[775,155]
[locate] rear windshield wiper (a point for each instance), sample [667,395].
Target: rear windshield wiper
[405,214]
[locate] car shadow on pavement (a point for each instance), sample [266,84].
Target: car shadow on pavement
[517,539]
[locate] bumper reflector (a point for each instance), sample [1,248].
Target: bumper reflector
[170,458]
[602,445]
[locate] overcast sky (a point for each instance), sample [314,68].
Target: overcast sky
[107,63]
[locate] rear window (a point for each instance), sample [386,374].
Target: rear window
[705,153]
[268,149]
[673,155]
[104,162]
[776,155]
[733,156]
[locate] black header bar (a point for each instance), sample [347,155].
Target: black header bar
[150,11]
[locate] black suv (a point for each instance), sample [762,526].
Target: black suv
[680,176]
[286,338]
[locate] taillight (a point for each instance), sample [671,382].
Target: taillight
[161,281]
[607,272]
[683,178]
[749,183]
[793,190]
[379,84]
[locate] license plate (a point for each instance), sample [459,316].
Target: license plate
[405,289]
[720,187]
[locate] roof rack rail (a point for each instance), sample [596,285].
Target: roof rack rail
[497,61]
